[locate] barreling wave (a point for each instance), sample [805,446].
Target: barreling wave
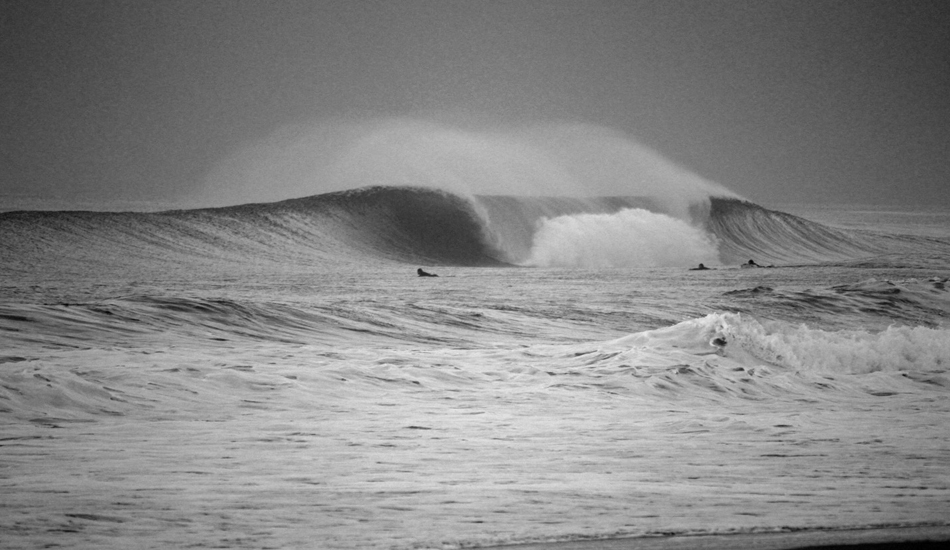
[407,225]
[422,225]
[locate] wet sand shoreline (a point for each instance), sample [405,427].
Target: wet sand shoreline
[898,538]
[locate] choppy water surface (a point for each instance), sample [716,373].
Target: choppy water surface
[350,404]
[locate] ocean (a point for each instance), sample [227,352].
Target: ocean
[277,376]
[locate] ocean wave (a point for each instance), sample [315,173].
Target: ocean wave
[911,349]
[792,347]
[868,303]
[729,356]
[428,226]
[370,349]
[746,230]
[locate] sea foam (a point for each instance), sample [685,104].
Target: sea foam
[897,348]
[802,348]
[630,238]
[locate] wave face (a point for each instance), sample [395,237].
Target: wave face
[407,225]
[746,230]
[427,226]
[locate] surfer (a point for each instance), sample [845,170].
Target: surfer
[700,268]
[719,342]
[424,273]
[751,263]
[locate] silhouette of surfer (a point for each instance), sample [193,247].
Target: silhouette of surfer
[700,268]
[751,263]
[424,273]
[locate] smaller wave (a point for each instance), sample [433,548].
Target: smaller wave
[728,356]
[746,230]
[753,343]
[897,348]
[871,303]
[632,237]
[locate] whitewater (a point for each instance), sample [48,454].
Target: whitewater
[275,375]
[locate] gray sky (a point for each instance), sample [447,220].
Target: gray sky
[780,101]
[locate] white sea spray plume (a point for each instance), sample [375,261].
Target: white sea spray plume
[554,159]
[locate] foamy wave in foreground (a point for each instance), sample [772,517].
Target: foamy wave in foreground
[799,347]
[370,409]
[910,349]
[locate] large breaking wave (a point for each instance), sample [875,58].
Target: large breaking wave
[429,226]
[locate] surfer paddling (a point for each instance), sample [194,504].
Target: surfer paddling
[700,268]
[751,263]
[424,273]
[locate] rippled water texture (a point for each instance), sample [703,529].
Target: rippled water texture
[355,405]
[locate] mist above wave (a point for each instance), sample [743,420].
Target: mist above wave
[539,160]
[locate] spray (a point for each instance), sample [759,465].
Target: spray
[576,160]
